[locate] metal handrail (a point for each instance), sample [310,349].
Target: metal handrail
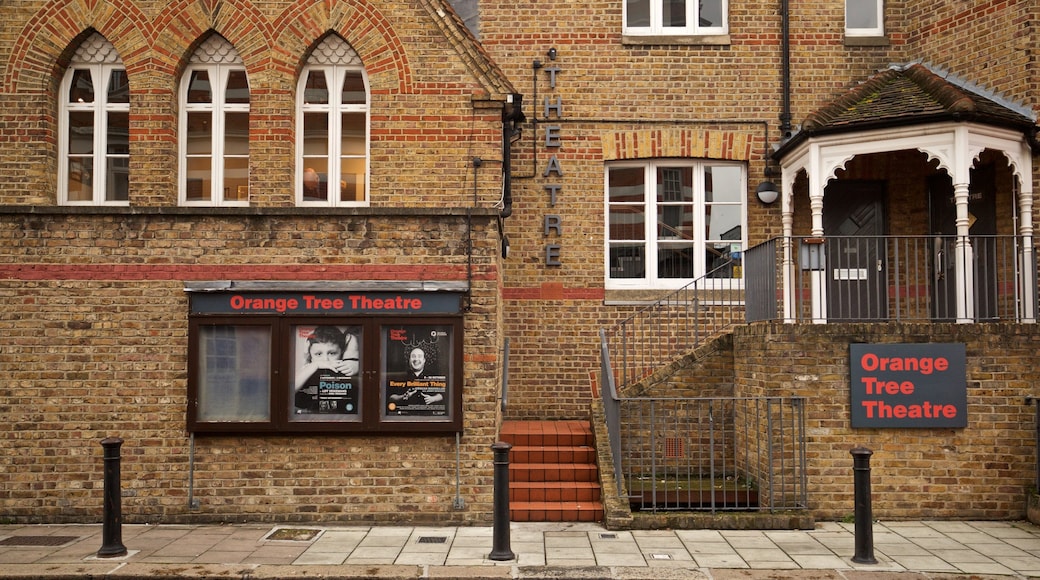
[675,324]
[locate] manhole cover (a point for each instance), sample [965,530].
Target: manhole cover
[432,539]
[293,534]
[38,540]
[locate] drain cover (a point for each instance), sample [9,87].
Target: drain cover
[432,539]
[293,534]
[38,540]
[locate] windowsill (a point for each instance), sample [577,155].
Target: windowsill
[866,40]
[676,39]
[12,209]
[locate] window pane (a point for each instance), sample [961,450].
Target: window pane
[234,373]
[675,261]
[626,184]
[675,222]
[199,140]
[237,88]
[82,87]
[80,180]
[326,380]
[81,133]
[723,183]
[353,89]
[199,90]
[315,134]
[236,179]
[118,87]
[353,134]
[673,13]
[861,13]
[315,179]
[723,222]
[637,13]
[200,175]
[352,180]
[675,184]
[723,260]
[627,222]
[316,91]
[711,13]
[118,134]
[236,133]
[117,185]
[627,261]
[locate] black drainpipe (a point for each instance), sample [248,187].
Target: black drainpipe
[785,41]
[512,116]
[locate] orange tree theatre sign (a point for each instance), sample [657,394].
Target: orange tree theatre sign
[908,385]
[293,361]
[324,303]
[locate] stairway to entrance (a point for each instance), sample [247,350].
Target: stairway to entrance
[553,475]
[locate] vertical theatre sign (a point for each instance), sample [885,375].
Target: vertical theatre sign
[908,385]
[553,223]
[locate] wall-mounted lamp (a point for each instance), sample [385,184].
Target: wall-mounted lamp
[551,54]
[767,192]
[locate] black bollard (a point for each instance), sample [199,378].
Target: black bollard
[864,516]
[500,550]
[111,526]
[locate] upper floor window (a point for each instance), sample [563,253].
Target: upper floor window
[670,221]
[214,127]
[94,146]
[661,17]
[332,153]
[864,18]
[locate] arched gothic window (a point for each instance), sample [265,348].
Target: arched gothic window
[214,127]
[332,113]
[94,142]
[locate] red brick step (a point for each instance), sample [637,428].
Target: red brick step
[552,471]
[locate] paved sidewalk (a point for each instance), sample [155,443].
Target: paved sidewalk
[903,550]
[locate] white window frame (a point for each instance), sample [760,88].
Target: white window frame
[336,59]
[99,57]
[218,63]
[692,28]
[879,30]
[651,278]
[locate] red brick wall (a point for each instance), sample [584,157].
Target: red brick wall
[95,323]
[979,472]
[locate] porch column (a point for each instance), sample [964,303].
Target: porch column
[788,266]
[1027,268]
[964,257]
[818,277]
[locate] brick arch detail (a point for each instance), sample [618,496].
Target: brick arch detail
[364,28]
[181,24]
[678,142]
[49,34]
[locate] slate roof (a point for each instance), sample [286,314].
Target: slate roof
[909,95]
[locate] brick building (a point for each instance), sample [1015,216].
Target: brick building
[513,179]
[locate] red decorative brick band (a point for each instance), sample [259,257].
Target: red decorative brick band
[156,272]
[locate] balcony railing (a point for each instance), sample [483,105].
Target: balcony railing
[892,278]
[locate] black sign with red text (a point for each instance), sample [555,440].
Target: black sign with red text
[325,303]
[908,385]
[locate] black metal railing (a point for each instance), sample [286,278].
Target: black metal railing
[892,278]
[677,323]
[705,454]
